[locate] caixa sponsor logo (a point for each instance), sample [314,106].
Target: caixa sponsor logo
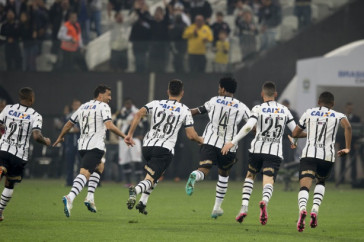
[322,114]
[171,108]
[19,114]
[273,110]
[227,103]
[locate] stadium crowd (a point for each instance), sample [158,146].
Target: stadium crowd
[174,30]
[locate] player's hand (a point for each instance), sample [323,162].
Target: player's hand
[57,142]
[293,142]
[129,141]
[47,141]
[343,152]
[200,140]
[226,148]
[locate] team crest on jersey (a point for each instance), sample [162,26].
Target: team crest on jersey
[19,114]
[322,114]
[89,107]
[227,103]
[171,108]
[273,110]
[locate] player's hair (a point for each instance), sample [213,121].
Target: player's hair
[101,89]
[327,98]
[220,14]
[25,93]
[229,84]
[175,87]
[269,88]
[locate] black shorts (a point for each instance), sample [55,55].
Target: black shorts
[90,159]
[211,155]
[268,164]
[315,168]
[158,160]
[14,166]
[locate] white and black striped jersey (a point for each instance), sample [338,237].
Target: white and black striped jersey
[91,117]
[225,114]
[19,122]
[167,117]
[272,118]
[321,125]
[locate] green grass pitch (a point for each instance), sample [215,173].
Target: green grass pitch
[35,213]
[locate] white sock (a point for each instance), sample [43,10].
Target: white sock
[318,196]
[93,182]
[247,191]
[267,192]
[145,195]
[302,199]
[78,184]
[143,186]
[221,188]
[200,176]
[5,197]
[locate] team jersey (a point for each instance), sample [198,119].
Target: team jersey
[225,113]
[322,125]
[272,119]
[167,117]
[19,122]
[91,117]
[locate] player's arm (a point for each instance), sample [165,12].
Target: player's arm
[242,133]
[347,132]
[134,124]
[111,127]
[192,135]
[297,133]
[66,128]
[37,136]
[200,110]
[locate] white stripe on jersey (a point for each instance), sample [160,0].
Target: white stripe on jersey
[225,114]
[167,117]
[19,122]
[322,125]
[272,119]
[91,117]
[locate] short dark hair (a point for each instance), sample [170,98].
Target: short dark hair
[101,89]
[175,87]
[327,98]
[269,88]
[25,93]
[229,84]
[220,14]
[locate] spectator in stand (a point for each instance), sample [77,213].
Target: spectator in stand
[118,5]
[119,41]
[178,44]
[200,7]
[222,52]
[270,17]
[255,5]
[241,6]
[39,19]
[71,44]
[96,7]
[83,10]
[2,13]
[247,31]
[159,45]
[17,6]
[10,30]
[177,10]
[219,25]
[58,14]
[28,34]
[140,36]
[197,34]
[303,12]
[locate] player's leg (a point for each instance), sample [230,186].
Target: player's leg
[255,164]
[323,172]
[307,173]
[208,157]
[142,204]
[6,195]
[270,170]
[93,182]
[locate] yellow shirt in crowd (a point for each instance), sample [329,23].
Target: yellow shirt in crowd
[196,43]
[222,52]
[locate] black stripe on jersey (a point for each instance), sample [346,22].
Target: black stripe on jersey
[233,134]
[308,136]
[83,139]
[212,120]
[73,121]
[332,139]
[173,130]
[217,131]
[302,127]
[36,128]
[146,108]
[189,125]
[227,121]
[9,137]
[253,117]
[108,119]
[316,136]
[290,120]
[18,106]
[95,121]
[207,127]
[26,140]
[89,141]
[261,120]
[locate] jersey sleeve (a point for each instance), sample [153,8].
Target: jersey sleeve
[255,112]
[38,122]
[74,117]
[188,121]
[3,114]
[302,122]
[206,107]
[149,106]
[290,117]
[246,113]
[105,113]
